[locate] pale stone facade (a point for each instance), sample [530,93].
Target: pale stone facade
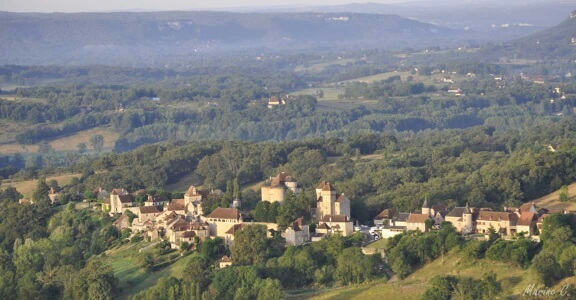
[275,189]
[297,233]
[328,202]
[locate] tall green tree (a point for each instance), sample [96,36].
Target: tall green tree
[250,245]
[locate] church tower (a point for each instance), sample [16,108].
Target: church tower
[467,222]
[426,207]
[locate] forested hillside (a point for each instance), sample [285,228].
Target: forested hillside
[114,38]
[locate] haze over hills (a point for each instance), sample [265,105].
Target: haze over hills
[104,38]
[499,19]
[558,42]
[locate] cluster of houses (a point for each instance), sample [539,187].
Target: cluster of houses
[275,101]
[183,220]
[526,219]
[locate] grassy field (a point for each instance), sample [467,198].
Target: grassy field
[379,244]
[185,182]
[319,66]
[426,79]
[18,99]
[28,187]
[9,131]
[513,280]
[124,262]
[330,94]
[68,143]
[331,102]
[552,201]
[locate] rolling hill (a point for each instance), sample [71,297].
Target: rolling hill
[106,38]
[557,42]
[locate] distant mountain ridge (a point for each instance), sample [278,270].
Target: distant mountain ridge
[33,38]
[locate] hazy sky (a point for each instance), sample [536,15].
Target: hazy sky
[107,5]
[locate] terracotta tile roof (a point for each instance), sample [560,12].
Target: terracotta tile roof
[341,198]
[323,226]
[175,205]
[197,226]
[417,218]
[335,218]
[179,225]
[527,206]
[106,200]
[328,187]
[386,214]
[526,219]
[178,201]
[224,213]
[321,185]
[236,227]
[320,199]
[149,210]
[280,180]
[126,198]
[497,215]
[225,258]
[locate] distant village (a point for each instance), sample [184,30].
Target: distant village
[183,220]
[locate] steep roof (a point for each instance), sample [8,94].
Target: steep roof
[126,198]
[156,198]
[458,212]
[386,214]
[280,180]
[122,218]
[497,215]
[402,217]
[225,213]
[443,213]
[526,207]
[175,205]
[335,218]
[149,210]
[225,258]
[417,218]
[526,219]
[323,226]
[321,185]
[341,198]
[118,192]
[236,227]
[425,204]
[328,187]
